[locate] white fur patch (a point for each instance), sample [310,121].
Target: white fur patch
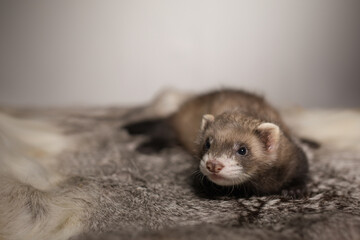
[35,133]
[231,174]
[27,150]
[30,206]
[206,119]
[168,101]
[273,132]
[335,129]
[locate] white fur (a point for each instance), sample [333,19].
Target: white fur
[273,139]
[274,131]
[168,101]
[27,150]
[34,133]
[28,183]
[336,129]
[231,174]
[206,119]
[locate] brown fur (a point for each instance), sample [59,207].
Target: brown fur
[186,121]
[237,117]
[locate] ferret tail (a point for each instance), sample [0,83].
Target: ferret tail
[29,206]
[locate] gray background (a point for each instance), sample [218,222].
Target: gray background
[87,52]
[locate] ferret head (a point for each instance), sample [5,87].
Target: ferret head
[234,147]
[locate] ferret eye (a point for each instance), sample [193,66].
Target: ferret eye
[242,151]
[207,144]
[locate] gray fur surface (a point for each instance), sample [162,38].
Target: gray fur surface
[137,196]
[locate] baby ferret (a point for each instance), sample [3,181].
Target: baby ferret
[241,141]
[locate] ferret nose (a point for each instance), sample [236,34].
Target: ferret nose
[214,166]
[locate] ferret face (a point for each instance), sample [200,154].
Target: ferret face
[234,151]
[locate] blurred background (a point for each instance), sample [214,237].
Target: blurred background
[107,52]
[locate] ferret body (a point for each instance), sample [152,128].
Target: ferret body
[241,141]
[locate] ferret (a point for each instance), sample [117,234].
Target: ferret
[241,141]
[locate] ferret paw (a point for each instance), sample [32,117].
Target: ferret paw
[294,193]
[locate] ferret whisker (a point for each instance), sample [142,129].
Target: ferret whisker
[202,180]
[232,187]
[256,186]
[244,189]
[197,171]
[197,157]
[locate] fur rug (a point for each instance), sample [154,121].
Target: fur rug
[103,189]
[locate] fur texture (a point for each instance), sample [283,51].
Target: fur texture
[106,190]
[36,202]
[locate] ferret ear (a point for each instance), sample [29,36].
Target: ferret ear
[206,120]
[269,134]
